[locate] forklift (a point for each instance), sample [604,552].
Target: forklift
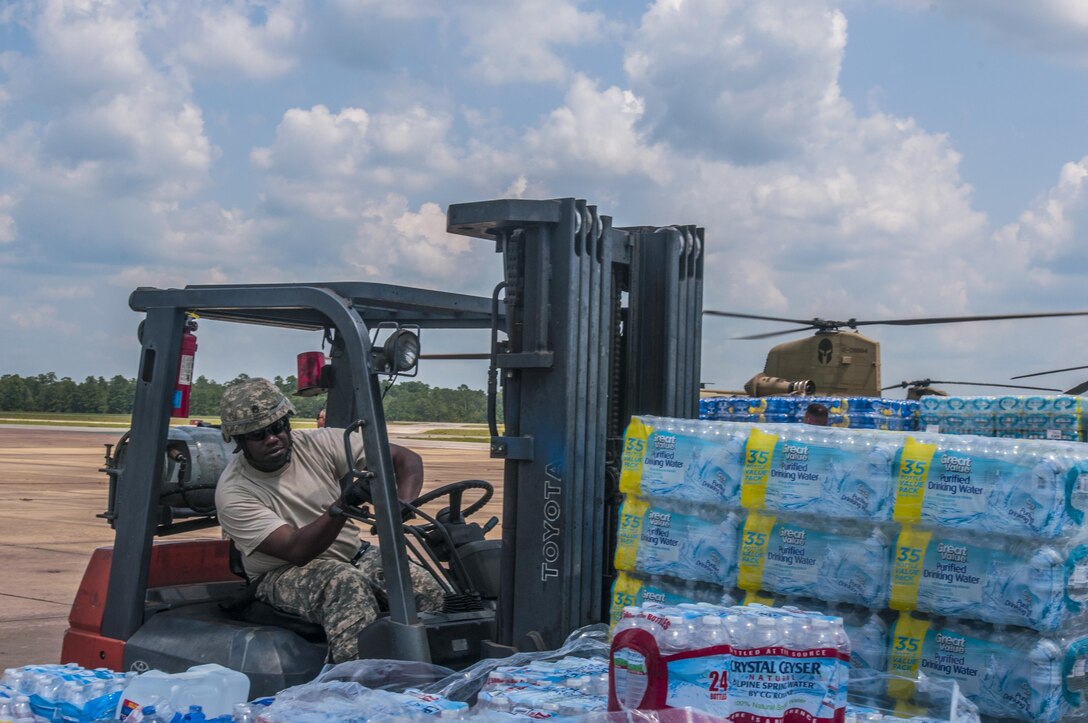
[589,325]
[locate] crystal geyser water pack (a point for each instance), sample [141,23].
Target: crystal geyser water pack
[742,663]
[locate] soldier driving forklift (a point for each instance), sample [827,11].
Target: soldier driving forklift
[589,325]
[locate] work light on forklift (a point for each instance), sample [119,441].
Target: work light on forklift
[399,354]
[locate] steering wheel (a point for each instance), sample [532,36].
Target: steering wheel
[454,490]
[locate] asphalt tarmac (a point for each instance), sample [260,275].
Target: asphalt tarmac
[51,491]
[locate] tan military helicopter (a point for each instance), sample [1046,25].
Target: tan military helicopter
[840,363]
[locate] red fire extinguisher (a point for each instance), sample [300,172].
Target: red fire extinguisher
[184,385]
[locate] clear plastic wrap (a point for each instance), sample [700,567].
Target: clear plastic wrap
[930,700]
[590,641]
[350,702]
[377,674]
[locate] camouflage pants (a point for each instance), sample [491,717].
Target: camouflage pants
[341,598]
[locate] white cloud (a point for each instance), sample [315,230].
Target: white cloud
[328,165]
[514,40]
[741,81]
[595,133]
[85,50]
[117,126]
[252,39]
[1046,242]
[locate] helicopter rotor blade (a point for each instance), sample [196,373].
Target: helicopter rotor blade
[735,315]
[1052,371]
[957,319]
[769,334]
[929,382]
[1077,390]
[454,357]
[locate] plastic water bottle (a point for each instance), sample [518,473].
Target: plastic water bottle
[630,619]
[244,713]
[766,633]
[150,714]
[675,637]
[195,715]
[20,709]
[74,693]
[869,647]
[822,635]
[712,631]
[739,630]
[1046,681]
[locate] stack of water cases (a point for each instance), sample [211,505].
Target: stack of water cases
[739,663]
[955,556]
[60,693]
[852,412]
[1059,417]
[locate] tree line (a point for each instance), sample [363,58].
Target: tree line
[404,401]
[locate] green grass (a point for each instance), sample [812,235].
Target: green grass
[52,419]
[462,433]
[467,433]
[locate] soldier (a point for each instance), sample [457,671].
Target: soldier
[816,414]
[279,502]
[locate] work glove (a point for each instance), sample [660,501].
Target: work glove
[357,493]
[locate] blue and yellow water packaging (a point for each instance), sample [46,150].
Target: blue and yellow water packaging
[992,579]
[804,559]
[683,459]
[1007,673]
[656,537]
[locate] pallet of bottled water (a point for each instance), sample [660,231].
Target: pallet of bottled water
[740,663]
[60,692]
[985,539]
[853,412]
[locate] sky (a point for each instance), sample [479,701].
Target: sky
[866,159]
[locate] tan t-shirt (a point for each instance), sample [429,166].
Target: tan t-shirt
[251,504]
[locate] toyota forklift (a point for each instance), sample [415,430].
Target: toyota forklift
[589,325]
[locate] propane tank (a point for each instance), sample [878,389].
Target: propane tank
[195,457]
[183,387]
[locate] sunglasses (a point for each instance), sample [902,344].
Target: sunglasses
[275,428]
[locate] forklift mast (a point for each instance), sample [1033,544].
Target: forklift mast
[601,323]
[595,324]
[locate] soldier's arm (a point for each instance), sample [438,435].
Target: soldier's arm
[300,545]
[408,472]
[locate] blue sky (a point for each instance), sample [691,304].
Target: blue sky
[848,159]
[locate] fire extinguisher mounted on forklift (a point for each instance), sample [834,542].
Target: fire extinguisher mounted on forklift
[595,324]
[183,387]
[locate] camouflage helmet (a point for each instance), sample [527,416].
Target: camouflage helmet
[251,404]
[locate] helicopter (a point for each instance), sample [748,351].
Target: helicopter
[838,360]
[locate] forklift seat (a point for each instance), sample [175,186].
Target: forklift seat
[245,606]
